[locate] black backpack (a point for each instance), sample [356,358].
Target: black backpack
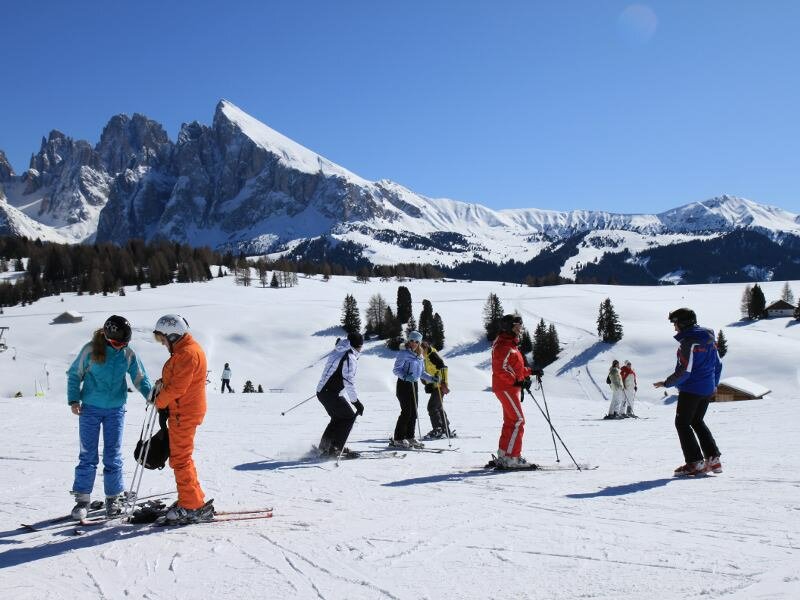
[158,450]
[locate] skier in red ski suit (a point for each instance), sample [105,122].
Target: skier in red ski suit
[509,376]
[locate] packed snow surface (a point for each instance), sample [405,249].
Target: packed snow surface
[428,525]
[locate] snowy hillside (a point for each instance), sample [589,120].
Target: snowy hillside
[428,525]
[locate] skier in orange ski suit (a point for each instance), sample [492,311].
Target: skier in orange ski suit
[183,392]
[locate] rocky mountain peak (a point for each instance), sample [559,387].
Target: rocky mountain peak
[6,172]
[130,141]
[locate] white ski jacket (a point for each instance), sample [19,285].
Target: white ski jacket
[340,371]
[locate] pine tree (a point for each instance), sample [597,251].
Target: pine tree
[351,320]
[411,326]
[426,320]
[540,345]
[786,293]
[553,343]
[437,336]
[260,389]
[744,303]
[404,308]
[376,312]
[492,313]
[608,326]
[391,326]
[758,303]
[797,311]
[274,282]
[722,344]
[248,387]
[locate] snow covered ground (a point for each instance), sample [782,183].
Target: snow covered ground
[428,525]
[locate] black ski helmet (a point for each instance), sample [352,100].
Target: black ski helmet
[118,329]
[508,321]
[683,318]
[356,339]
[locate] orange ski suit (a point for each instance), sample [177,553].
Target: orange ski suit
[508,368]
[183,392]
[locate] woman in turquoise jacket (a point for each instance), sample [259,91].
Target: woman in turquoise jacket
[97,392]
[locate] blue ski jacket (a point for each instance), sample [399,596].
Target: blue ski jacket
[698,366]
[104,384]
[409,366]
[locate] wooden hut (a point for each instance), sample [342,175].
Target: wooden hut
[739,388]
[69,316]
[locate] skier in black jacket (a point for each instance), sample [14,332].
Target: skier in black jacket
[339,376]
[434,365]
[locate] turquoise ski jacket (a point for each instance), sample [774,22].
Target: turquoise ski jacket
[104,384]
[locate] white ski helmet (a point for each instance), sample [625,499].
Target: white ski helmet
[172,327]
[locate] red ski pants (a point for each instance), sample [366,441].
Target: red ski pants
[181,446]
[513,420]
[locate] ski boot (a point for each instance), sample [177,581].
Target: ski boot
[115,504]
[81,508]
[691,469]
[178,515]
[713,464]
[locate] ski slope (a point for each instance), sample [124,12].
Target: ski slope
[430,525]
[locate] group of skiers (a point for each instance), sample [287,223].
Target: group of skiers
[416,361]
[623,390]
[97,393]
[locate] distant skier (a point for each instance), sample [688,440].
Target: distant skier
[336,391]
[97,393]
[409,368]
[434,365]
[509,377]
[629,387]
[182,391]
[696,376]
[615,409]
[226,379]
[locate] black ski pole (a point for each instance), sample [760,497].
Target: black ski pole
[547,410]
[416,407]
[298,404]
[553,429]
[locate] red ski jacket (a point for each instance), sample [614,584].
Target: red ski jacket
[508,366]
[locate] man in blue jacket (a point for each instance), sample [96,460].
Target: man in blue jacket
[696,376]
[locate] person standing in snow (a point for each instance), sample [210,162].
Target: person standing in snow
[629,387]
[97,393]
[409,368]
[336,391]
[226,379]
[615,409]
[434,365]
[696,376]
[509,377]
[182,391]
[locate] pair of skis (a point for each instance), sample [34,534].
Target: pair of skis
[222,516]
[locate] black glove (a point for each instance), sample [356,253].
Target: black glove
[359,407]
[539,373]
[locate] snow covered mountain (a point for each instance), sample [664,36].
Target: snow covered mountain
[240,185]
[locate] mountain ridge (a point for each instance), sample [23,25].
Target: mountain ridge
[240,185]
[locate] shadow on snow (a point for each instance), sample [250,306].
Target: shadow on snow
[623,490]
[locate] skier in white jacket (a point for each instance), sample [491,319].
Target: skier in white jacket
[336,391]
[617,392]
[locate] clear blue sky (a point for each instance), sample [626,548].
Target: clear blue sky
[561,104]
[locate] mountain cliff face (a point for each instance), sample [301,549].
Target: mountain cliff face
[239,185]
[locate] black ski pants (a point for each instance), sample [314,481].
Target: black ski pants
[691,428]
[407,396]
[226,383]
[342,418]
[436,411]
